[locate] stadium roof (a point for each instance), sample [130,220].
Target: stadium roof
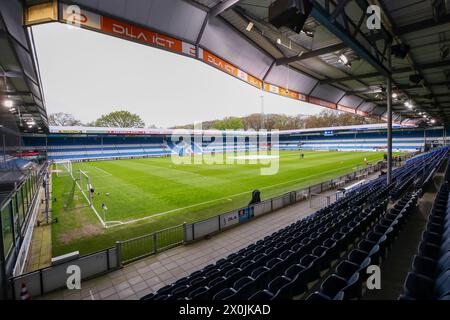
[20,82]
[236,37]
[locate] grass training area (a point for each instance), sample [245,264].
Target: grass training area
[150,194]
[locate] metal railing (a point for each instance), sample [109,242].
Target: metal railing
[18,210]
[146,245]
[319,201]
[54,277]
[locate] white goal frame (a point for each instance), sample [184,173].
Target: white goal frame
[63,168]
[85,185]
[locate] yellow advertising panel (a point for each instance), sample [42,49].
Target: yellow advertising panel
[41,13]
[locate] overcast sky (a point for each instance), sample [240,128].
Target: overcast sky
[89,74]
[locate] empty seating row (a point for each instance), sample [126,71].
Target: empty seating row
[417,172]
[296,277]
[348,280]
[430,272]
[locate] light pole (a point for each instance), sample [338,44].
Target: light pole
[262,112]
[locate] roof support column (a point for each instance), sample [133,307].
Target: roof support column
[3,276]
[389,119]
[200,35]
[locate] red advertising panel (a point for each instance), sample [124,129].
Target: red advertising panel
[128,31]
[322,103]
[214,60]
[346,109]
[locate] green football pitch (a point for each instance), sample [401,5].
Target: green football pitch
[145,195]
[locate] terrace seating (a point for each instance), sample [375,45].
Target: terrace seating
[59,148]
[430,271]
[349,275]
[407,140]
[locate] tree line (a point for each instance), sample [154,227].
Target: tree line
[255,121]
[115,119]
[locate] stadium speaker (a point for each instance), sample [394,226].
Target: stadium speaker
[400,50]
[289,13]
[256,197]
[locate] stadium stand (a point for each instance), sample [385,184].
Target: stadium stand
[286,263]
[430,271]
[349,276]
[325,53]
[403,140]
[61,148]
[103,146]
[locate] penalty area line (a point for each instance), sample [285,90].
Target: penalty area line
[104,171]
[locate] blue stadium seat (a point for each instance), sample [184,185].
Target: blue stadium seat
[281,287]
[225,294]
[198,294]
[262,295]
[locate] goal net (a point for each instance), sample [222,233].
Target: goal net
[76,180]
[63,168]
[85,185]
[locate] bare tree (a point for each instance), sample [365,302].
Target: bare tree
[326,118]
[63,119]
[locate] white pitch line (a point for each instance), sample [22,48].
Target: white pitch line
[104,171]
[91,205]
[218,199]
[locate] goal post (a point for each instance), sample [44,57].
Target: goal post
[63,168]
[85,185]
[79,180]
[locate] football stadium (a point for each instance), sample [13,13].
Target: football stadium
[314,211]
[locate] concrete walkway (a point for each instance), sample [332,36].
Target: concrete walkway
[137,279]
[40,255]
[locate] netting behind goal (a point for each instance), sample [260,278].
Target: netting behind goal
[85,185]
[63,168]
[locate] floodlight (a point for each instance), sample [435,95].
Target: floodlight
[343,58]
[8,103]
